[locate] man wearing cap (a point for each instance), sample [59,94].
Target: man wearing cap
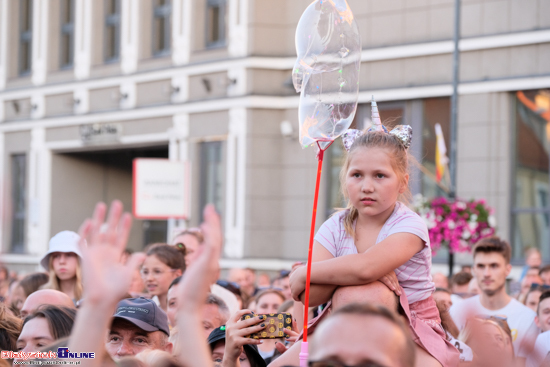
[138,325]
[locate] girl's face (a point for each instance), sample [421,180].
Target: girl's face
[157,276]
[64,264]
[371,183]
[35,335]
[269,303]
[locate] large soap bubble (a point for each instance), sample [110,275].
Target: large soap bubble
[326,72]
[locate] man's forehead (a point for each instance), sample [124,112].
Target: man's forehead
[545,303]
[488,258]
[120,326]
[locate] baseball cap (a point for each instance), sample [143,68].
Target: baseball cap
[144,313]
[65,241]
[251,351]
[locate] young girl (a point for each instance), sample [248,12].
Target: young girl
[163,264]
[378,238]
[62,261]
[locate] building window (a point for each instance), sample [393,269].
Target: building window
[18,198]
[211,175]
[25,37]
[112,30]
[161,27]
[531,207]
[215,23]
[67,33]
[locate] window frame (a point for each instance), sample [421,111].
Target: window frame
[67,29]
[162,11]
[19,189]
[112,20]
[222,40]
[25,37]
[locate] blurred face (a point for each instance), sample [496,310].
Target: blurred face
[491,270]
[18,297]
[532,300]
[268,303]
[532,276]
[284,285]
[440,281]
[191,247]
[356,340]
[126,339]
[64,264]
[443,298]
[211,318]
[534,259]
[545,277]
[543,315]
[172,308]
[218,352]
[244,278]
[35,335]
[157,276]
[371,183]
[490,344]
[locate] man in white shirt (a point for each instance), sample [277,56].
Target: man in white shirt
[491,267]
[542,345]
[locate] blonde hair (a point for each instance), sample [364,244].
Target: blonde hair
[53,283]
[399,162]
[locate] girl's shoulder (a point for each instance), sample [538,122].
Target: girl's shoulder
[404,216]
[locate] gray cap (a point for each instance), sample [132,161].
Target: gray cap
[144,313]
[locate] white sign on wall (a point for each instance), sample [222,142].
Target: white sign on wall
[160,189]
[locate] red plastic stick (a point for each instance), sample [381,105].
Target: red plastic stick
[304,354]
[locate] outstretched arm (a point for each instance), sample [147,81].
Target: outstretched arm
[363,268]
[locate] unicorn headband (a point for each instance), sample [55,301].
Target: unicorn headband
[402,132]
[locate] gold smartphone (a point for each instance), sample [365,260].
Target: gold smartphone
[275,324]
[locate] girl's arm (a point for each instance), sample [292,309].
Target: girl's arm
[366,267]
[318,293]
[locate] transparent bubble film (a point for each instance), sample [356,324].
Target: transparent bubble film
[326,73]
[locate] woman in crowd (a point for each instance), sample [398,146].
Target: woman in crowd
[63,264]
[268,301]
[163,264]
[29,284]
[190,239]
[44,326]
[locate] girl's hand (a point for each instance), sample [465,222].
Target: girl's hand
[298,282]
[236,331]
[390,281]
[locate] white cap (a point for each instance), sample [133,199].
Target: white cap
[65,241]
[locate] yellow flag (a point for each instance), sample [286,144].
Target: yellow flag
[441,159]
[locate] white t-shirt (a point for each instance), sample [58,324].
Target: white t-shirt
[415,275]
[541,351]
[520,319]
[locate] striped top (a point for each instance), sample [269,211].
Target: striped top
[415,275]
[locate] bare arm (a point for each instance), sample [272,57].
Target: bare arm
[363,268]
[370,265]
[100,265]
[319,293]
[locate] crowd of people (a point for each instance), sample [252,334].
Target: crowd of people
[374,298]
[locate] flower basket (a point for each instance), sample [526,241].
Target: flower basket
[456,224]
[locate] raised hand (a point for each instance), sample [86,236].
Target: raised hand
[105,278]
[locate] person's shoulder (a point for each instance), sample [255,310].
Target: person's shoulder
[403,212]
[336,219]
[468,305]
[520,309]
[544,338]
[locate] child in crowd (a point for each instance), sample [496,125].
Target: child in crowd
[62,261]
[378,238]
[163,264]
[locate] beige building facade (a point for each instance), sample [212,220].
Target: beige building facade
[86,86]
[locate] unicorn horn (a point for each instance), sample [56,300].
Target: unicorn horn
[375,116]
